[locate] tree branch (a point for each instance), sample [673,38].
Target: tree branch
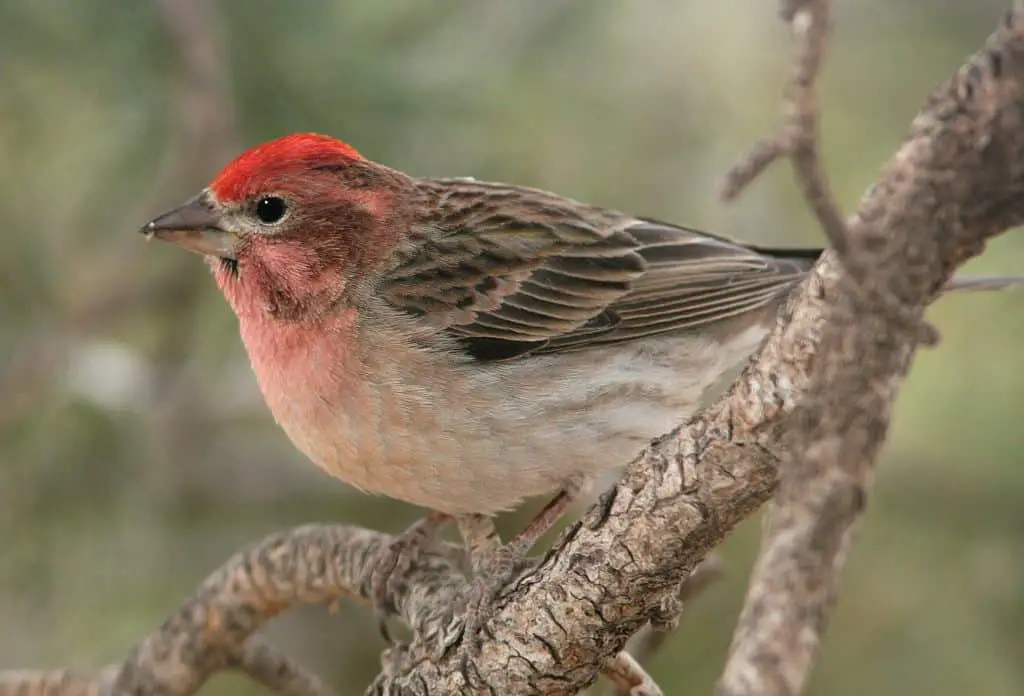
[956,144]
[212,629]
[796,577]
[262,662]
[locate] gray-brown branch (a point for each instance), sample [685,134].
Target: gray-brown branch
[212,630]
[821,491]
[910,244]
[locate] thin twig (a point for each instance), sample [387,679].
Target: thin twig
[629,678]
[57,682]
[797,137]
[312,565]
[653,636]
[278,672]
[644,645]
[264,663]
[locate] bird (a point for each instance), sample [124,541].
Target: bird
[464,345]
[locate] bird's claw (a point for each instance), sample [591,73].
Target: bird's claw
[493,573]
[385,576]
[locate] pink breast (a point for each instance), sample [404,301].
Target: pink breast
[304,372]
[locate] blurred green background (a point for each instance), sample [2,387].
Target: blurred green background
[135,454]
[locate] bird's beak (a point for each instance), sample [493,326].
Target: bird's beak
[195,226]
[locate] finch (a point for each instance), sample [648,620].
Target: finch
[463,345]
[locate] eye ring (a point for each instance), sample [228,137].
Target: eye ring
[271,209]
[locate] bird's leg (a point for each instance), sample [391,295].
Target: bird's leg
[543,520]
[384,574]
[494,564]
[481,540]
[489,558]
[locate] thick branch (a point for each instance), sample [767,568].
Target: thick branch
[211,630]
[969,135]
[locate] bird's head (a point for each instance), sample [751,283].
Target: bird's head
[291,225]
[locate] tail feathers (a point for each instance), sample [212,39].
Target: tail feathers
[803,258]
[806,258]
[982,283]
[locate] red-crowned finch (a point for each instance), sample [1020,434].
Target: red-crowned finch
[463,345]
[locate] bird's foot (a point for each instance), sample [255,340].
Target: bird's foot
[495,566]
[385,575]
[493,572]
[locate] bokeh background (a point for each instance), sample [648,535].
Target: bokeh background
[135,454]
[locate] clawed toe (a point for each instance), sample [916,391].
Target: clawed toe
[494,566]
[382,582]
[385,576]
[494,572]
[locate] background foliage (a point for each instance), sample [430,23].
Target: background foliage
[135,454]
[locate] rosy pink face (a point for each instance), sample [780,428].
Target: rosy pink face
[288,220]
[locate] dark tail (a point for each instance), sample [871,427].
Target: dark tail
[982,283]
[806,258]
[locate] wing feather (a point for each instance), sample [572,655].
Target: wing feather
[561,276]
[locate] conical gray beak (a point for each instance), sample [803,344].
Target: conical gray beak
[195,226]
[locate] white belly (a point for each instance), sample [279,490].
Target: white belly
[498,433]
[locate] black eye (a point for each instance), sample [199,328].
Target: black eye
[271,209]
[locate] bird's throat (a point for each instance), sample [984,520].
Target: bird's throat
[308,371]
[285,282]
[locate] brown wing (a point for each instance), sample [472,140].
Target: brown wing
[694,279]
[555,281]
